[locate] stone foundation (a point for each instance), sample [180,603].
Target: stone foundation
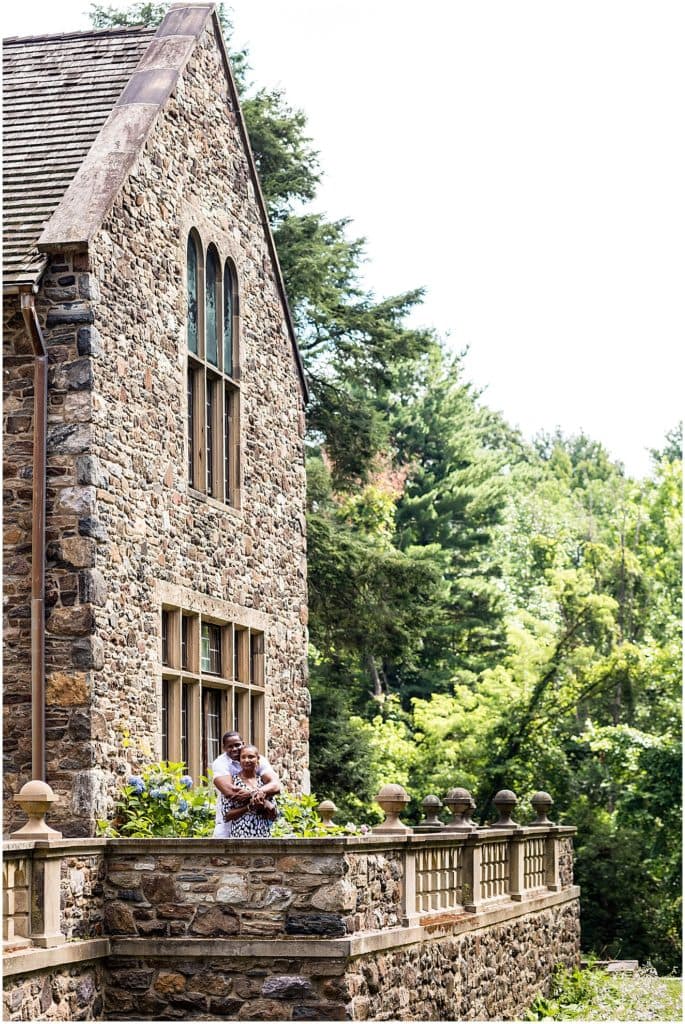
[67,993]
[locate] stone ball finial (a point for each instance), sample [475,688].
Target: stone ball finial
[459,802]
[505,801]
[392,799]
[541,804]
[35,798]
[431,805]
[326,810]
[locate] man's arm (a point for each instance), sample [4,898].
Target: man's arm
[272,783]
[224,783]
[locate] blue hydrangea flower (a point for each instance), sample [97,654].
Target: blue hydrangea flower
[187,781]
[156,794]
[137,783]
[182,805]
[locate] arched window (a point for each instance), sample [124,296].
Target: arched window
[212,313]
[192,266]
[228,319]
[213,391]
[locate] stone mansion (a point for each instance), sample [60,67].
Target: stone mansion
[154,571]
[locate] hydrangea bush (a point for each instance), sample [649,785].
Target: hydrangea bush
[162,802]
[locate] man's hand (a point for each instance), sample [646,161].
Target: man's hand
[272,783]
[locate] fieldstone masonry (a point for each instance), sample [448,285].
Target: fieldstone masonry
[283,930]
[124,531]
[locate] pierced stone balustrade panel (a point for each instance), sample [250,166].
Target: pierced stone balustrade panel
[534,870]
[439,878]
[494,881]
[16,901]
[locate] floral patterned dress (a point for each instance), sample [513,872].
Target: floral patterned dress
[250,825]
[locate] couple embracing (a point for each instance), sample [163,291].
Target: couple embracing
[246,784]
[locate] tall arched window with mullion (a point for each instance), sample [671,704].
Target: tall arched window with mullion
[194,322]
[231,423]
[212,383]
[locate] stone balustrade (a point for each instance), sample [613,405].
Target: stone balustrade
[84,914]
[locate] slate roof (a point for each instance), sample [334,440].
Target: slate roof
[58,92]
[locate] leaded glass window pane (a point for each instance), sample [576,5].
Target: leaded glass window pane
[211,320]
[228,321]
[165,720]
[211,649]
[192,265]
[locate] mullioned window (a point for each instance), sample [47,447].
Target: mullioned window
[213,388]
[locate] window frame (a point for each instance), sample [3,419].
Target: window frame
[212,390]
[184,683]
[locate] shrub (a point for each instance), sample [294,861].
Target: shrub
[299,819]
[162,802]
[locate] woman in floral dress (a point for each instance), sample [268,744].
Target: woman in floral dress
[252,816]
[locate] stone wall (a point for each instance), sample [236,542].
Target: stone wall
[68,993]
[163,540]
[124,532]
[81,896]
[280,930]
[73,585]
[265,987]
[489,974]
[205,890]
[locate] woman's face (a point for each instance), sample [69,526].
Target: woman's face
[249,757]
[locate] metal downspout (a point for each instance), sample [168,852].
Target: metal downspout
[40,417]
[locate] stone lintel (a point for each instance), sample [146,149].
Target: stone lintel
[233,949]
[22,961]
[184,597]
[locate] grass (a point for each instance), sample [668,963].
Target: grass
[587,995]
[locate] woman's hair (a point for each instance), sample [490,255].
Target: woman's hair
[249,746]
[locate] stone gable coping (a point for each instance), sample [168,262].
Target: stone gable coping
[98,180]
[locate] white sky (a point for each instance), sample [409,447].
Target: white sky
[521,159]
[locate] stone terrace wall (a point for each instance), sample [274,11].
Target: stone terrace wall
[489,974]
[264,987]
[280,930]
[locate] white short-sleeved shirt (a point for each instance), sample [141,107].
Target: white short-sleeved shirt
[224,765]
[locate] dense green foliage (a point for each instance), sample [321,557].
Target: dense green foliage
[485,612]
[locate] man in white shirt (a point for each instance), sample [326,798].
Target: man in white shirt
[225,768]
